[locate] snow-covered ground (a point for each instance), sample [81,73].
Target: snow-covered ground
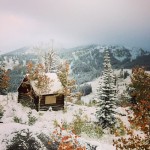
[45,119]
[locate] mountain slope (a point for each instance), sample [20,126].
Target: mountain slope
[86,61]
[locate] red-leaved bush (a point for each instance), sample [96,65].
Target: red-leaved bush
[67,139]
[140,120]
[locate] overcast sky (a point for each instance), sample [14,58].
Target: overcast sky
[74,22]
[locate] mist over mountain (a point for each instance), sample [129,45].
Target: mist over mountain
[89,55]
[86,62]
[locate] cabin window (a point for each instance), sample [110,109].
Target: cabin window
[50,99]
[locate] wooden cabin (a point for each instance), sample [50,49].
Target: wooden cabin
[53,97]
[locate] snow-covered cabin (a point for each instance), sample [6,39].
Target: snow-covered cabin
[51,97]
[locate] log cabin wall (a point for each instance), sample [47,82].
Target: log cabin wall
[23,96]
[23,90]
[56,102]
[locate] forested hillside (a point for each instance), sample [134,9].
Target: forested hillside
[85,61]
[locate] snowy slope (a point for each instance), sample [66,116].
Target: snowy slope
[45,121]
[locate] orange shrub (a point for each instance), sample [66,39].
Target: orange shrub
[67,139]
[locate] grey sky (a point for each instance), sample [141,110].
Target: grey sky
[74,22]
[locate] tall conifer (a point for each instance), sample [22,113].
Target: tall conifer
[106,94]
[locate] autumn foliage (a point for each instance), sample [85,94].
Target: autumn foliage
[63,74]
[36,72]
[67,139]
[4,80]
[67,83]
[140,82]
[140,120]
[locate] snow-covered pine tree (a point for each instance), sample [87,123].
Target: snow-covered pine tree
[106,95]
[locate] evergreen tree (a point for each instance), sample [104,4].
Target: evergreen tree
[106,95]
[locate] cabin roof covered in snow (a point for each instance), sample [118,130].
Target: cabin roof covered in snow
[53,87]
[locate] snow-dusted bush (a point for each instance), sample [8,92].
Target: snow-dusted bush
[17,119]
[81,124]
[66,139]
[55,123]
[48,143]
[92,130]
[32,119]
[24,140]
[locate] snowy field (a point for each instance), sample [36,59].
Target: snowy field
[45,121]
